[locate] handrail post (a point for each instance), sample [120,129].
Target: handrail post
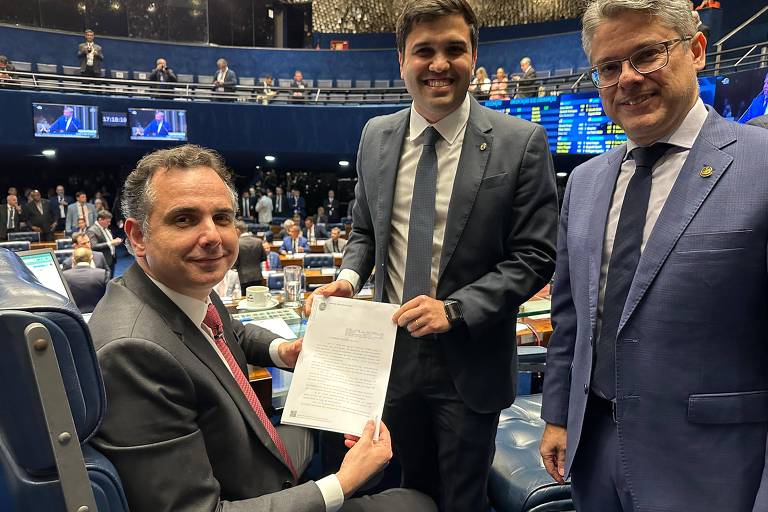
[718,50]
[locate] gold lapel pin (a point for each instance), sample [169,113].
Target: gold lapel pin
[706,171]
[483,146]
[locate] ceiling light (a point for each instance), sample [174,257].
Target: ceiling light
[562,175]
[344,163]
[270,158]
[50,153]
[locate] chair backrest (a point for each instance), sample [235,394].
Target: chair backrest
[63,254]
[380,83]
[344,84]
[21,245]
[318,260]
[284,82]
[63,243]
[50,389]
[47,68]
[29,236]
[141,75]
[185,78]
[247,80]
[22,66]
[398,83]
[275,281]
[118,74]
[563,71]
[277,221]
[363,84]
[70,70]
[204,79]
[324,83]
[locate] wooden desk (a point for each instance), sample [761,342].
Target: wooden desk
[286,260]
[261,382]
[43,245]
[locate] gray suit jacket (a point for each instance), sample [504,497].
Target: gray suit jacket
[87,286]
[761,121]
[328,245]
[692,349]
[249,258]
[99,243]
[503,209]
[178,428]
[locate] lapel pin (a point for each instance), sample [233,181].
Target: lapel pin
[706,171]
[483,146]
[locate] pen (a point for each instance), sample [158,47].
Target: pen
[376,428]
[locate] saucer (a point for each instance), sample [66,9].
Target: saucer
[244,305]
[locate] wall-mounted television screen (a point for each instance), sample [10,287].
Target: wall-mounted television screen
[66,120]
[157,124]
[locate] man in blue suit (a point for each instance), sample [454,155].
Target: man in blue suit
[294,242]
[759,105]
[158,127]
[67,123]
[297,204]
[656,392]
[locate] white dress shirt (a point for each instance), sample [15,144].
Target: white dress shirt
[196,310]
[452,129]
[664,175]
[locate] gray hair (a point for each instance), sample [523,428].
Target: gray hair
[138,193]
[674,14]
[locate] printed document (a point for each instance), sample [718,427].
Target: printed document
[341,377]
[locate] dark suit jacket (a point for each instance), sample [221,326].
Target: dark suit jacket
[99,243]
[54,202]
[297,205]
[82,54]
[283,211]
[87,286]
[248,263]
[332,209]
[41,220]
[683,397]
[320,232]
[176,413]
[230,80]
[4,221]
[60,125]
[504,200]
[761,121]
[166,75]
[152,131]
[756,108]
[98,260]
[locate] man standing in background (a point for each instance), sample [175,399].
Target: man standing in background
[90,55]
[59,204]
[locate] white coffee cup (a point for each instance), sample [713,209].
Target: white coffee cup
[257,296]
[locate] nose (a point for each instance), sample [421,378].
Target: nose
[209,233]
[439,63]
[629,74]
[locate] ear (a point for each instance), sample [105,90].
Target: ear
[474,60]
[698,49]
[136,236]
[401,59]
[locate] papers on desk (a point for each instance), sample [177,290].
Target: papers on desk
[341,377]
[275,325]
[327,271]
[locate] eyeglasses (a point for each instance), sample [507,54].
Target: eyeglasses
[645,60]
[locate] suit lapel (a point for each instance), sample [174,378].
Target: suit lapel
[686,197]
[605,180]
[469,174]
[389,159]
[190,335]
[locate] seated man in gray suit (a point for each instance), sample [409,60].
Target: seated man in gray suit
[97,259]
[87,284]
[335,243]
[184,428]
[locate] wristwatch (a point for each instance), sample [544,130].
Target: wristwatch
[453,311]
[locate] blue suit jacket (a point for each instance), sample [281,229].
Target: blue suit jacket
[692,349]
[756,108]
[297,205]
[288,244]
[152,131]
[60,125]
[274,260]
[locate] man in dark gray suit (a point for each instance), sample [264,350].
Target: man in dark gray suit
[174,365]
[656,391]
[97,258]
[335,243]
[86,283]
[102,239]
[249,257]
[460,272]
[90,55]
[10,216]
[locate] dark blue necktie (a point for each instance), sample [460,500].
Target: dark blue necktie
[621,269]
[421,226]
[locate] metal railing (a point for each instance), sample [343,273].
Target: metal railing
[726,37]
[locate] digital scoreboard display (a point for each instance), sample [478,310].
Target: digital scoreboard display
[583,128]
[544,111]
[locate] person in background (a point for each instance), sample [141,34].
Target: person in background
[272,259]
[297,204]
[281,203]
[66,123]
[102,239]
[294,242]
[266,92]
[224,80]
[312,231]
[59,203]
[321,217]
[759,105]
[80,239]
[6,70]
[527,89]
[249,257]
[86,282]
[158,127]
[264,208]
[298,86]
[499,86]
[37,214]
[331,205]
[91,56]
[480,85]
[10,216]
[162,73]
[80,209]
[335,243]
[286,231]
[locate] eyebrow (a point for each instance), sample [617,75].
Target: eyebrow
[638,47]
[453,42]
[185,210]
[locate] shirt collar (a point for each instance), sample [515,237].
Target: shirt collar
[686,133]
[83,264]
[448,127]
[195,309]
[247,233]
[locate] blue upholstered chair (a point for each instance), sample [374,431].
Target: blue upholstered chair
[20,245]
[28,236]
[52,400]
[63,254]
[318,260]
[63,243]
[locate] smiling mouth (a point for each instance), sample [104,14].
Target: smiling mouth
[443,82]
[637,100]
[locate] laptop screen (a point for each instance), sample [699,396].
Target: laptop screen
[45,266]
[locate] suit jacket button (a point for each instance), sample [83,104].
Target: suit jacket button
[586,389]
[287,484]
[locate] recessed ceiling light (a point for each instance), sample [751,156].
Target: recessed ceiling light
[344,163]
[269,158]
[50,153]
[562,174]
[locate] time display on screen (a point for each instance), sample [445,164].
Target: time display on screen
[114,118]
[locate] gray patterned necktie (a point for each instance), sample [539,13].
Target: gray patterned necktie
[421,226]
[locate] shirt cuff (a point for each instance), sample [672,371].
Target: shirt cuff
[351,276]
[332,493]
[274,354]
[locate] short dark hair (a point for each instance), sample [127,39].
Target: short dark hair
[309,217]
[103,214]
[419,11]
[241,226]
[89,31]
[77,236]
[80,193]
